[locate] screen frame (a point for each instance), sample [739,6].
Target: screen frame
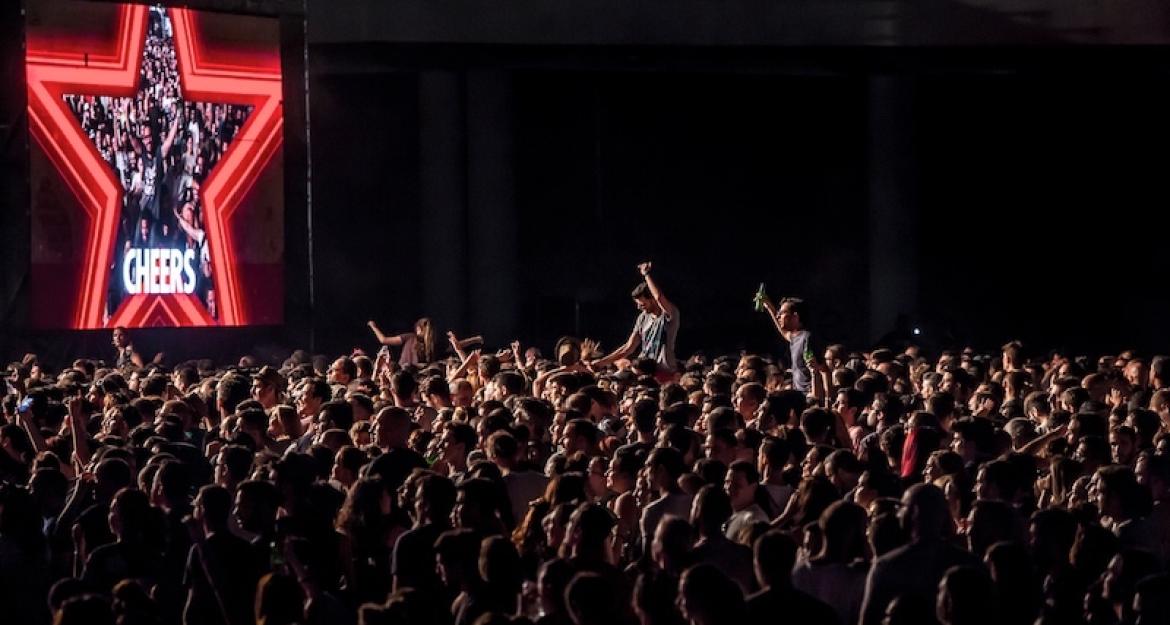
[17,332]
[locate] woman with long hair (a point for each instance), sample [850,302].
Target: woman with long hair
[368,538]
[813,495]
[284,426]
[529,537]
[417,346]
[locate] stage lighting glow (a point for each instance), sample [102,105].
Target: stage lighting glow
[162,124]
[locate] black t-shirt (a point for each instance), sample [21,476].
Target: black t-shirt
[12,470]
[413,563]
[95,526]
[231,564]
[396,465]
[797,607]
[112,563]
[152,179]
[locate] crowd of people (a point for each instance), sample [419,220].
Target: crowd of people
[453,485]
[161,149]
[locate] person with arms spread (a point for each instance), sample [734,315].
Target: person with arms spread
[655,330]
[417,347]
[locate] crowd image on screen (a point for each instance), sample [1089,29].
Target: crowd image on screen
[161,148]
[429,479]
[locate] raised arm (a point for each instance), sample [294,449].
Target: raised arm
[1037,446]
[119,140]
[456,345]
[772,314]
[135,142]
[191,231]
[667,306]
[393,341]
[541,380]
[77,431]
[25,421]
[460,345]
[170,138]
[471,359]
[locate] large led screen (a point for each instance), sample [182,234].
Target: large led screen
[156,167]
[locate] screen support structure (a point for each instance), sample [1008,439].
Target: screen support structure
[309,181]
[14,180]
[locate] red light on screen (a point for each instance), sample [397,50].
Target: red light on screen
[132,278]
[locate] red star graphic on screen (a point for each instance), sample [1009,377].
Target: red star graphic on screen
[115,70]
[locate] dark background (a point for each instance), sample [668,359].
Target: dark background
[990,175]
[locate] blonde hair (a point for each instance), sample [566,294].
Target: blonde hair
[425,346]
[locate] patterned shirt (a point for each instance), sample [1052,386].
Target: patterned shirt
[657,334]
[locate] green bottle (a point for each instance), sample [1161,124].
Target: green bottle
[760,297]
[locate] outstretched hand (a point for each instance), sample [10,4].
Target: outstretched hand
[589,347]
[644,268]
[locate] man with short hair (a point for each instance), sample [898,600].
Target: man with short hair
[523,486]
[774,556]
[457,443]
[848,408]
[710,511]
[185,379]
[1153,473]
[915,568]
[436,393]
[231,390]
[664,466]
[581,435]
[391,431]
[462,393]
[508,384]
[314,392]
[232,465]
[748,398]
[254,423]
[1160,403]
[268,387]
[964,597]
[791,320]
[773,458]
[402,388]
[221,571]
[342,371]
[413,563]
[1123,443]
[256,503]
[654,331]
